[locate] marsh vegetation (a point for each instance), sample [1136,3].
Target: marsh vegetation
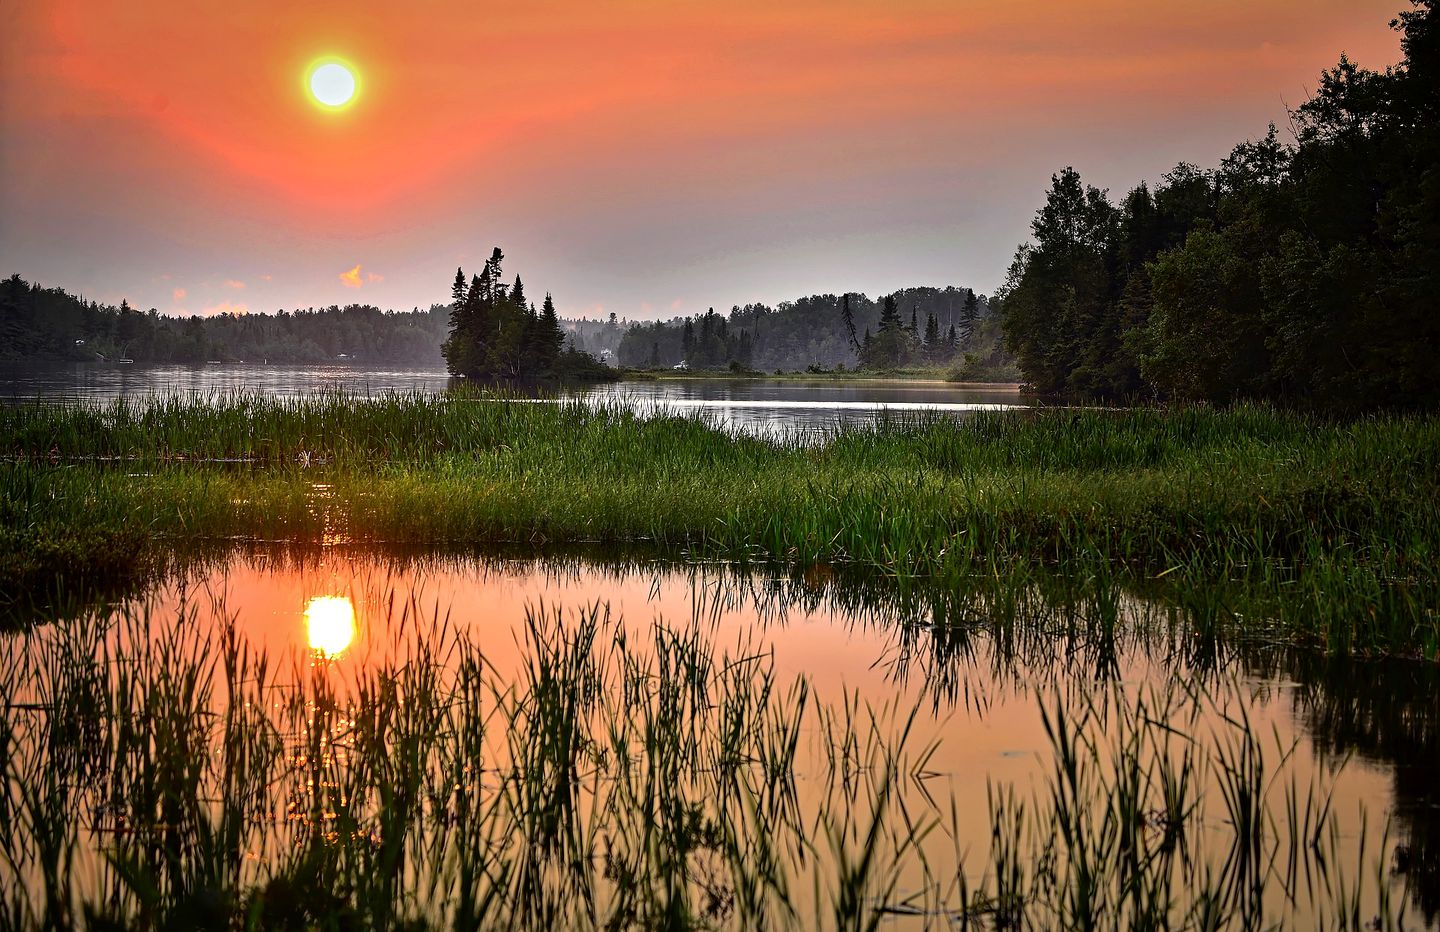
[532,758]
[1178,608]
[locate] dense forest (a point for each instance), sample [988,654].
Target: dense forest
[1307,273]
[507,337]
[49,323]
[496,333]
[914,327]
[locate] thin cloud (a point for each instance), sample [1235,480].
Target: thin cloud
[234,283]
[178,295]
[225,307]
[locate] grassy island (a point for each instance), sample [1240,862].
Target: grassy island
[1251,518]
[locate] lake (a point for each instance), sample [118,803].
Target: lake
[940,715]
[758,406]
[535,735]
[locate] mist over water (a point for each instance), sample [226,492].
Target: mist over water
[767,408]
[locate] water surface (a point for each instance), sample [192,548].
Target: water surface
[1361,736]
[759,406]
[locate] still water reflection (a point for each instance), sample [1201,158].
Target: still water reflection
[985,684]
[760,406]
[329,624]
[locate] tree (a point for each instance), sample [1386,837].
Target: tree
[933,349]
[969,317]
[552,339]
[849,320]
[891,344]
[1305,273]
[499,335]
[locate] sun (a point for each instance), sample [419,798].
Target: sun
[329,624]
[332,83]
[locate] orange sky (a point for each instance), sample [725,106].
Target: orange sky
[636,157]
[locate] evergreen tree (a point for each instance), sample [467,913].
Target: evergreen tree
[498,334]
[933,349]
[891,344]
[553,338]
[849,320]
[969,317]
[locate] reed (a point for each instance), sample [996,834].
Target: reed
[1264,521]
[162,773]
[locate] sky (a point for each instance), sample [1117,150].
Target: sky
[646,158]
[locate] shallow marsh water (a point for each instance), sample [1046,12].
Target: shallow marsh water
[757,406]
[964,702]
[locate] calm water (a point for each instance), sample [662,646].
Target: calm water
[756,406]
[1363,735]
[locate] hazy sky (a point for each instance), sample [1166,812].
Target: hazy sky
[645,158]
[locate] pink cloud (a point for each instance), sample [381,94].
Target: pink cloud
[225,307]
[178,295]
[235,284]
[356,277]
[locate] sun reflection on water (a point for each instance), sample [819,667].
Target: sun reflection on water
[330,624]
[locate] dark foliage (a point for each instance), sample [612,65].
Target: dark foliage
[1305,273]
[49,323]
[822,331]
[496,335]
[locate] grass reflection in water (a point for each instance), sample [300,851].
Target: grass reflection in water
[160,770]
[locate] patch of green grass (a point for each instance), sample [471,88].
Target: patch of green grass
[1254,519]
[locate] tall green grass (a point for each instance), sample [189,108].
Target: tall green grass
[1256,519]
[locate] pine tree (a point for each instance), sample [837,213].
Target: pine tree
[889,316]
[969,317]
[849,319]
[932,338]
[457,291]
[497,333]
[553,338]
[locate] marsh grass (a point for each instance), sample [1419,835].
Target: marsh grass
[162,773]
[1253,519]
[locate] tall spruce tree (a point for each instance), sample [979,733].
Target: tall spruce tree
[933,349]
[969,317]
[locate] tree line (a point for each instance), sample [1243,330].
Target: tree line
[38,322]
[1306,272]
[947,327]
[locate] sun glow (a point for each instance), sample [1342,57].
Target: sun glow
[329,624]
[332,83]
